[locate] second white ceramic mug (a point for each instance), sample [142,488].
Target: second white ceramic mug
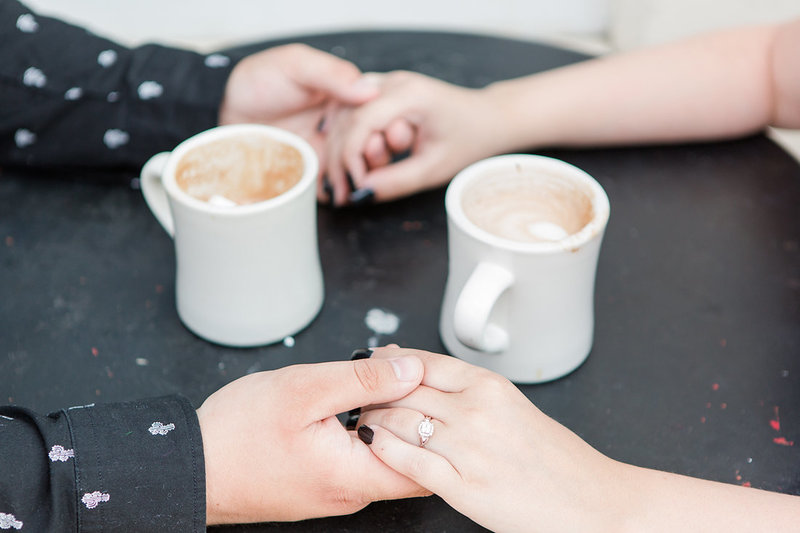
[523,309]
[246,275]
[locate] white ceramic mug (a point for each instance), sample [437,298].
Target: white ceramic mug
[246,275]
[522,309]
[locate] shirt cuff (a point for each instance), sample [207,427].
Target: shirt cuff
[139,466]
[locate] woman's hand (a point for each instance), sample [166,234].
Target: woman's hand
[493,455]
[275,451]
[443,127]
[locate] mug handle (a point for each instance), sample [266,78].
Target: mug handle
[474,305]
[154,193]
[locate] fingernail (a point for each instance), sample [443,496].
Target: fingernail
[361,353]
[352,420]
[328,189]
[362,197]
[350,182]
[365,434]
[405,368]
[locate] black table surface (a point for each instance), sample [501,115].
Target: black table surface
[696,361]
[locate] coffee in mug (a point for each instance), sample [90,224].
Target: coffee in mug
[239,170]
[527,206]
[524,235]
[239,202]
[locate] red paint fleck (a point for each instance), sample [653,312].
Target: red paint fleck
[782,441]
[738,477]
[708,405]
[702,420]
[723,342]
[9,241]
[746,484]
[776,422]
[715,386]
[159,289]
[95,351]
[723,405]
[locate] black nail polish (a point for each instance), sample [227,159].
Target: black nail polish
[350,182]
[352,420]
[361,353]
[327,188]
[365,434]
[362,197]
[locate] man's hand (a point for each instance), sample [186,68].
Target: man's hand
[275,451]
[289,87]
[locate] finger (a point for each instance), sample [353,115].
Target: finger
[384,483]
[400,136]
[315,392]
[413,174]
[405,423]
[425,467]
[425,400]
[376,151]
[442,372]
[334,76]
[370,119]
[339,184]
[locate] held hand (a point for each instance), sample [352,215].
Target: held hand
[275,451]
[289,87]
[493,455]
[445,127]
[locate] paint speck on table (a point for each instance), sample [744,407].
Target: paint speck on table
[775,423]
[95,351]
[381,322]
[715,386]
[288,341]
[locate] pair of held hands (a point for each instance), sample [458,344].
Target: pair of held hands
[275,450]
[359,123]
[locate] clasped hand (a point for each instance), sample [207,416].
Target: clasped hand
[275,451]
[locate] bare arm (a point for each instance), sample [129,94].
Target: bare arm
[718,85]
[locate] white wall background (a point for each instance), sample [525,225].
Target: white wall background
[209,23]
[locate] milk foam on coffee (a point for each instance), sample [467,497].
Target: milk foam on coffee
[239,170]
[527,206]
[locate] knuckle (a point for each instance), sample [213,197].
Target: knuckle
[347,498]
[367,374]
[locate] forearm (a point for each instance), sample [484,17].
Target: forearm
[667,502]
[71,98]
[715,86]
[134,466]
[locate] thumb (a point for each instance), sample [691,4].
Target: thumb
[336,77]
[327,389]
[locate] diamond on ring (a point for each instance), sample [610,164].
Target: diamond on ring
[425,430]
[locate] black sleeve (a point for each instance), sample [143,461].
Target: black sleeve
[71,98]
[135,466]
